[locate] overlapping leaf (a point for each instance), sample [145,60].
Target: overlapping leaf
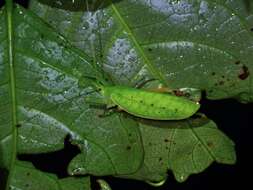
[25,176]
[185,148]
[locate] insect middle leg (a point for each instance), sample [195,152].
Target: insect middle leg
[102,104]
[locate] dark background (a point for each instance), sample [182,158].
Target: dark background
[233,118]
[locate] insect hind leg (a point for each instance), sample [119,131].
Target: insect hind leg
[143,83]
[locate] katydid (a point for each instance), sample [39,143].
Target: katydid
[148,104]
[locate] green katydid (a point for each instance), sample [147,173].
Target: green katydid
[147,104]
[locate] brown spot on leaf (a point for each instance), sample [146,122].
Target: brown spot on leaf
[221,82]
[232,85]
[210,144]
[18,125]
[166,140]
[244,73]
[128,147]
[213,73]
[237,62]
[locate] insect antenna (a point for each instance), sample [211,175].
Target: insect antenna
[97,51]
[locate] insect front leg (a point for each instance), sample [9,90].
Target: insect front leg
[96,101]
[109,110]
[106,107]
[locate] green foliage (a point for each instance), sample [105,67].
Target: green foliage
[48,54]
[25,176]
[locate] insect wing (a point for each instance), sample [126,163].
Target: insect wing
[153,105]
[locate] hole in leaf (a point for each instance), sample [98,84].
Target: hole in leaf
[55,162]
[3,178]
[237,62]
[94,184]
[23,3]
[128,147]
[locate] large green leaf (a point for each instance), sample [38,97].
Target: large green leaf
[206,44]
[42,94]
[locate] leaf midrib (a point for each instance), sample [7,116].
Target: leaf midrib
[137,45]
[9,10]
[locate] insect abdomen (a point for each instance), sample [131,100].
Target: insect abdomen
[153,105]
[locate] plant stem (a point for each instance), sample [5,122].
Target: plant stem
[9,21]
